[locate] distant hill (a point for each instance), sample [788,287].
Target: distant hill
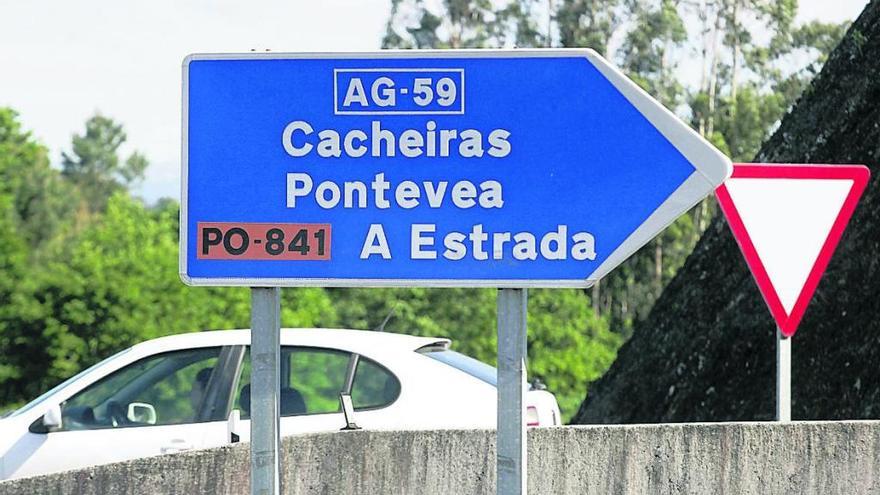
[706,352]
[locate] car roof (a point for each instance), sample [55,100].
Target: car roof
[352,340]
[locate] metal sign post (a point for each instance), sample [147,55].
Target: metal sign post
[265,388]
[511,429]
[783,376]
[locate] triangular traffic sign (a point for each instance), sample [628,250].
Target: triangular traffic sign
[787,220]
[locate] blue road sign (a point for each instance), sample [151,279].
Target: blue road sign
[517,168]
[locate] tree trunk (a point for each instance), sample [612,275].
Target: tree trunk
[713,78]
[704,21]
[735,51]
[594,298]
[734,75]
[658,266]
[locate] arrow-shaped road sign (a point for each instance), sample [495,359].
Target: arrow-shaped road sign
[788,220]
[517,168]
[487,168]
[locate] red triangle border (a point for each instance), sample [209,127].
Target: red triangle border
[859,174]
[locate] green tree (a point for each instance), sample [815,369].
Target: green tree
[31,211]
[648,50]
[12,270]
[94,165]
[590,23]
[456,24]
[467,316]
[116,284]
[462,24]
[733,60]
[628,293]
[568,345]
[41,199]
[744,90]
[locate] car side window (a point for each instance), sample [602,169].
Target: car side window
[373,386]
[164,389]
[311,381]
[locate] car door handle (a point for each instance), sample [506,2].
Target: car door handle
[177,445]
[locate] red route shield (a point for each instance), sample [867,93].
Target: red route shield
[264,241]
[859,175]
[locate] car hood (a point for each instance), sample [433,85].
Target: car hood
[11,429]
[7,439]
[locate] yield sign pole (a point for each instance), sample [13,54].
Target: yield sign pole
[783,376]
[787,220]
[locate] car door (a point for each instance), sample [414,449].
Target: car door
[312,379]
[160,404]
[374,392]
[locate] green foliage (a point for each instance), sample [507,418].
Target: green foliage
[43,203]
[94,165]
[742,123]
[629,292]
[568,345]
[465,315]
[95,283]
[12,271]
[647,51]
[589,23]
[461,24]
[112,286]
[768,77]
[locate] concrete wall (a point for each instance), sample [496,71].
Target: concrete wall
[804,458]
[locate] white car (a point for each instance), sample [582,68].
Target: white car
[192,391]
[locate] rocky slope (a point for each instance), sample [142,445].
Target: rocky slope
[707,350]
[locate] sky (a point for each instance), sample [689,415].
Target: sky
[62,61]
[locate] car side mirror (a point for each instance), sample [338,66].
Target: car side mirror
[52,418]
[141,413]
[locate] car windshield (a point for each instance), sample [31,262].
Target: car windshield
[39,400]
[469,365]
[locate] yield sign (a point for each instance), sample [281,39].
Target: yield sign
[788,220]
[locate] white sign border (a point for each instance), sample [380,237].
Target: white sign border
[712,168]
